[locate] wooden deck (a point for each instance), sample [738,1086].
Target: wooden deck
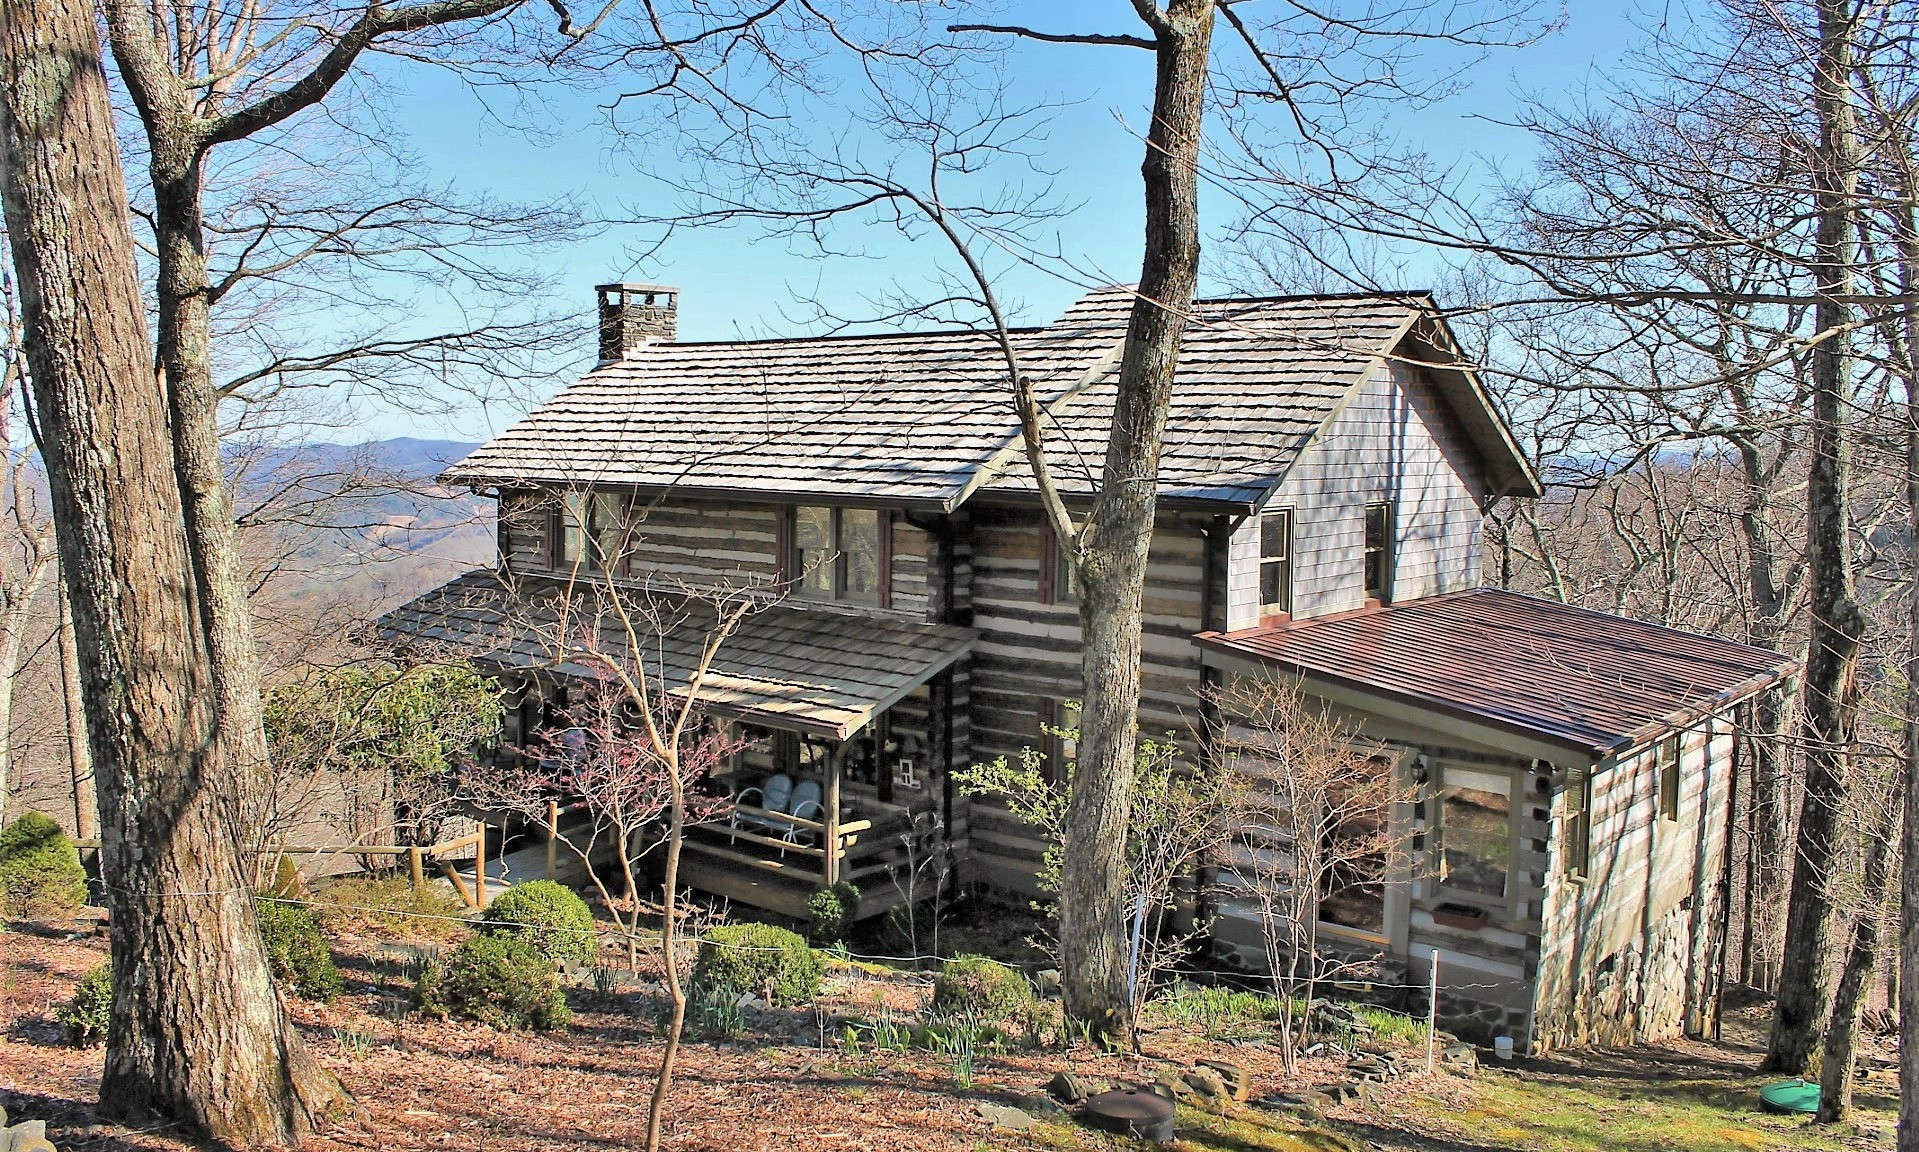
[766,873]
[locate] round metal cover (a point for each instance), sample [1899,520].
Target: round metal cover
[1132,1112]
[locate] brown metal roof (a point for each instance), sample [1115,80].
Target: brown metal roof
[926,418]
[800,669]
[1585,680]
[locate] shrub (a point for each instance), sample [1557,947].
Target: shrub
[549,916]
[830,911]
[499,980]
[297,950]
[743,958]
[40,872]
[389,907]
[978,987]
[86,1014]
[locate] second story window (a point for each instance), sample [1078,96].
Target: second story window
[1379,552]
[1058,580]
[589,531]
[838,554]
[1276,563]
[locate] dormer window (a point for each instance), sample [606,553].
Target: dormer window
[1276,563]
[838,554]
[1379,553]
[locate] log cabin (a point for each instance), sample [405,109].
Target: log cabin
[1329,463]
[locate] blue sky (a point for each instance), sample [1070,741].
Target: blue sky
[734,282]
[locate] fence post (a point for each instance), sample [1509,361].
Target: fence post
[1432,1009]
[479,868]
[552,838]
[415,867]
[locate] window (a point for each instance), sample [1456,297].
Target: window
[1575,834]
[1475,838]
[1668,758]
[1058,581]
[606,525]
[1352,886]
[1059,738]
[1276,563]
[569,529]
[1379,552]
[840,554]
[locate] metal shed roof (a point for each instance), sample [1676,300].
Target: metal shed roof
[1589,681]
[927,418]
[812,670]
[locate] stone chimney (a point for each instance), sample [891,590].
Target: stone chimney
[635,314]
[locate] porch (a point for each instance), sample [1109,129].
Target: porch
[846,721]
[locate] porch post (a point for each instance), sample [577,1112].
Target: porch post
[834,762]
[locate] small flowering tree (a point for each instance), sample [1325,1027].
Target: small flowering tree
[641,744]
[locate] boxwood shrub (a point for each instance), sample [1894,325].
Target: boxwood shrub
[297,950]
[85,1015]
[497,979]
[40,872]
[751,958]
[549,916]
[978,987]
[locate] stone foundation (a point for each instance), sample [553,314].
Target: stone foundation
[1635,996]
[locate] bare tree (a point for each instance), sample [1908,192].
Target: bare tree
[205,1043]
[27,554]
[1324,829]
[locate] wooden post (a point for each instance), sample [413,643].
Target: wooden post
[1432,1009]
[479,868]
[415,867]
[833,765]
[552,838]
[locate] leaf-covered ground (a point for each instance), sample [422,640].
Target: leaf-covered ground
[789,1084]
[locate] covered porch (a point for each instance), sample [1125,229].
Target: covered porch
[847,725]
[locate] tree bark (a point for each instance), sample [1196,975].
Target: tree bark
[1119,530]
[86,805]
[1908,999]
[190,1039]
[1830,690]
[1862,962]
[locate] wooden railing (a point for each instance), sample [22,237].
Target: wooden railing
[416,858]
[844,836]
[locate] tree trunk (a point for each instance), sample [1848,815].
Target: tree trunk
[1093,912]
[1862,961]
[1908,1002]
[86,805]
[675,995]
[190,1040]
[1830,690]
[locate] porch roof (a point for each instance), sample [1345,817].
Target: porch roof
[1589,681]
[802,669]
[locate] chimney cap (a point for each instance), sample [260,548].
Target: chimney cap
[637,289]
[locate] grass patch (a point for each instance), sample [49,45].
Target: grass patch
[1223,1013]
[388,908]
[1618,1115]
[1250,1130]
[1391,1027]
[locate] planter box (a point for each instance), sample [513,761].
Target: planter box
[1461,916]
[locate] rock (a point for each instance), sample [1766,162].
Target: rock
[1206,1083]
[1460,1057]
[1004,1116]
[1067,1088]
[1233,1075]
[1351,1092]
[1172,1085]
[1047,981]
[1040,1104]
[1302,1102]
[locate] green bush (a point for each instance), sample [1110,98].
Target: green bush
[389,907]
[40,872]
[981,988]
[829,911]
[499,980]
[743,958]
[86,1014]
[549,916]
[297,950]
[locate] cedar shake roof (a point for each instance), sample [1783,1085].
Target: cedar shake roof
[810,670]
[927,419]
[1593,682]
